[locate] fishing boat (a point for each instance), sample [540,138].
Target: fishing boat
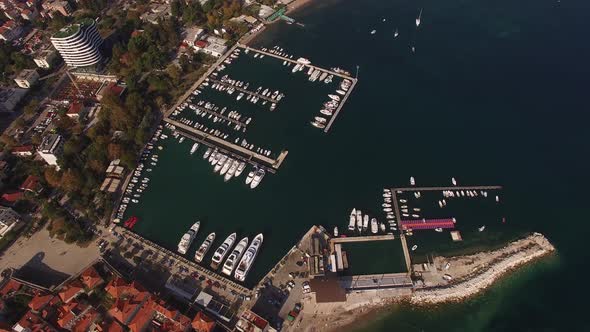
[374,225]
[240,169]
[351,220]
[257,178]
[418,19]
[194,148]
[482,228]
[222,250]
[414,247]
[188,237]
[234,257]
[365,222]
[335,231]
[359,220]
[204,248]
[248,258]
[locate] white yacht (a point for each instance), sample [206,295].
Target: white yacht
[240,169]
[359,220]
[374,228]
[188,237]
[194,148]
[438,229]
[232,170]
[454,181]
[365,222]
[246,261]
[257,178]
[204,248]
[414,247]
[373,32]
[222,251]
[207,153]
[220,163]
[395,34]
[234,257]
[412,181]
[482,228]
[352,220]
[335,231]
[226,166]
[251,175]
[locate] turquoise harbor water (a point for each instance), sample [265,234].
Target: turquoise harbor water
[495,94]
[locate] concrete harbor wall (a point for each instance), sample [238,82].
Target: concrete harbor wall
[508,258]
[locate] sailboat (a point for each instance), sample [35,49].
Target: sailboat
[418,19]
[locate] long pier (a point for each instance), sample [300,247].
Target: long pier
[340,105]
[448,188]
[351,239]
[402,236]
[274,163]
[243,90]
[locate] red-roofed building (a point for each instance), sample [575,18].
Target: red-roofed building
[31,322]
[22,151]
[143,317]
[11,198]
[203,323]
[199,44]
[39,302]
[118,287]
[124,310]
[31,184]
[90,278]
[109,326]
[70,291]
[74,110]
[10,287]
[85,322]
[170,320]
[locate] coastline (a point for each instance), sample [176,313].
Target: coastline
[297,4]
[360,307]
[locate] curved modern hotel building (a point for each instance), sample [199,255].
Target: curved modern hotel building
[78,43]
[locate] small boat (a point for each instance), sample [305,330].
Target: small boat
[414,247]
[257,178]
[359,220]
[318,125]
[482,228]
[365,222]
[240,169]
[207,153]
[232,170]
[412,181]
[454,181]
[419,18]
[251,175]
[373,32]
[226,166]
[438,229]
[497,199]
[382,226]
[395,34]
[335,231]
[352,220]
[194,148]
[326,112]
[204,248]
[374,225]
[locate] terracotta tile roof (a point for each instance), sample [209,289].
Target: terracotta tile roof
[90,278]
[87,319]
[10,286]
[12,197]
[22,148]
[66,314]
[113,326]
[143,317]
[71,290]
[203,323]
[118,287]
[75,108]
[31,183]
[39,301]
[33,323]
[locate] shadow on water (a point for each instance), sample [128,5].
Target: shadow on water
[37,272]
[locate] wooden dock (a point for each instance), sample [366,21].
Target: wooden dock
[246,91]
[448,188]
[221,143]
